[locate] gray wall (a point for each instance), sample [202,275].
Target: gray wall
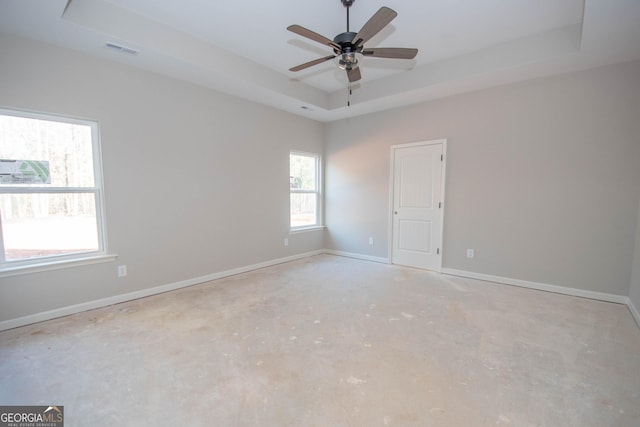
[225,207]
[542,178]
[634,292]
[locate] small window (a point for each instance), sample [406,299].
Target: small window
[50,189]
[304,182]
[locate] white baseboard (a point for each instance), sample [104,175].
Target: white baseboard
[117,299]
[601,296]
[634,311]
[357,256]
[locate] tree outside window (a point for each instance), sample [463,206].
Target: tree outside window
[50,189]
[304,183]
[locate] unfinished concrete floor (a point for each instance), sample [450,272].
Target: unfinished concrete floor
[333,341]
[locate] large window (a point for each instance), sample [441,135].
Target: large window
[50,189]
[304,182]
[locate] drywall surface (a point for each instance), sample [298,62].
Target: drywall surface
[634,292]
[196,182]
[541,178]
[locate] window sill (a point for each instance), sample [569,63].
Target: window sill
[306,229]
[56,265]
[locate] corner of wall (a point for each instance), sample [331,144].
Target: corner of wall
[634,288]
[634,311]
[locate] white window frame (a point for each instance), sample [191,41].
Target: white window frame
[317,192]
[8,268]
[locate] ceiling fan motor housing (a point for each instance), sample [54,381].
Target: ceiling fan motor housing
[345,41]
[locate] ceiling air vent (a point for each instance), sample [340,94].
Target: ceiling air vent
[121,49]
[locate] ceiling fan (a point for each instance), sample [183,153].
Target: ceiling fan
[349,46]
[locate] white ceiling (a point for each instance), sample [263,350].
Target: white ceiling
[243,48]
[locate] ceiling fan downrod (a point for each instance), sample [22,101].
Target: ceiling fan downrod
[347,4]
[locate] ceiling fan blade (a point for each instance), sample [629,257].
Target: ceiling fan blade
[354,74]
[376,23]
[391,52]
[311,63]
[313,36]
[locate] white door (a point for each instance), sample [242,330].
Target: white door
[417,205]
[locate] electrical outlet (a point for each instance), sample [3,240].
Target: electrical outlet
[286,241]
[122,270]
[471,253]
[371,241]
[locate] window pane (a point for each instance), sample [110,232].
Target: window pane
[39,225]
[302,171]
[303,209]
[62,149]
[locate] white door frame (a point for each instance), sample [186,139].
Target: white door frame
[391,194]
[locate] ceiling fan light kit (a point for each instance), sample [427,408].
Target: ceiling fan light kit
[347,60]
[348,47]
